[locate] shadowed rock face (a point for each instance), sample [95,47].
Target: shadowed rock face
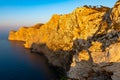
[82,42]
[96,54]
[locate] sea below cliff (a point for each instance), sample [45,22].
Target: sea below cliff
[81,45]
[18,63]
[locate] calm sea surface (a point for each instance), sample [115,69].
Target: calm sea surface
[18,63]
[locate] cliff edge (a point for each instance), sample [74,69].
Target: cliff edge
[87,39]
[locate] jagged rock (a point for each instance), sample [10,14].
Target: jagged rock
[19,35]
[26,34]
[80,70]
[115,68]
[111,54]
[62,30]
[115,14]
[88,36]
[31,32]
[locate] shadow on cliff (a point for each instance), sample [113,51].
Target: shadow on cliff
[107,70]
[61,60]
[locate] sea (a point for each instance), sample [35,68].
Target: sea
[18,63]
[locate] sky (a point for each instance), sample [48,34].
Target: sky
[17,13]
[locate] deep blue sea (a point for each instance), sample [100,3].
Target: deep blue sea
[18,63]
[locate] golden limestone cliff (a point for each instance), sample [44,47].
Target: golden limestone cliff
[23,33]
[62,30]
[90,35]
[103,48]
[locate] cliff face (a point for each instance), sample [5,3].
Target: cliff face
[102,48]
[90,35]
[23,33]
[62,30]
[20,35]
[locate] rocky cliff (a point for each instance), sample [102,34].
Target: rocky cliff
[62,30]
[85,43]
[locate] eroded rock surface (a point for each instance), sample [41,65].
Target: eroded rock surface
[62,30]
[84,42]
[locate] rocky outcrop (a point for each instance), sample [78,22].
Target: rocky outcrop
[24,32]
[103,47]
[20,35]
[84,43]
[62,30]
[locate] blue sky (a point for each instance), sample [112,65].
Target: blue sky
[16,13]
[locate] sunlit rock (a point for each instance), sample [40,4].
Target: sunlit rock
[83,42]
[62,30]
[19,35]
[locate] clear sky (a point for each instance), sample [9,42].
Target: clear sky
[16,13]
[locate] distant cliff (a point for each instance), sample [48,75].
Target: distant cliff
[90,34]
